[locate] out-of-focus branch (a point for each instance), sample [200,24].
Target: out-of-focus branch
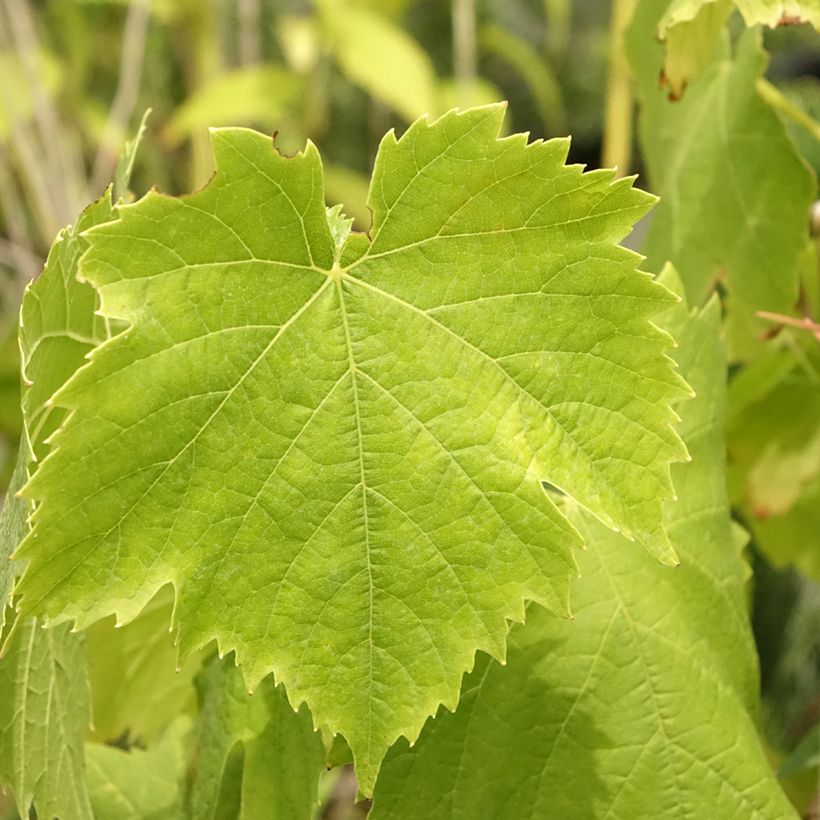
[132,56]
[534,70]
[464,49]
[203,60]
[20,259]
[802,323]
[558,29]
[23,151]
[250,19]
[617,150]
[775,98]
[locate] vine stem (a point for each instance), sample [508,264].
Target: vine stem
[617,148]
[464,49]
[804,323]
[775,98]
[135,33]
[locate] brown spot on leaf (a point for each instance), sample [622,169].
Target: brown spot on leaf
[674,93]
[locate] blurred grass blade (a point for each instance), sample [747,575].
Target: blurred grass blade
[533,69]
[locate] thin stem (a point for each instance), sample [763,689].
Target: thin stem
[464,49]
[250,18]
[558,14]
[617,150]
[204,62]
[132,56]
[804,323]
[775,98]
[535,71]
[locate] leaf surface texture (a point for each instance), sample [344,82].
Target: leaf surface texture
[336,454]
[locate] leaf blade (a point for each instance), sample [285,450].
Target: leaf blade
[318,455]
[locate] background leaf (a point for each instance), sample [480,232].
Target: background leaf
[138,784]
[43,718]
[734,197]
[379,56]
[137,689]
[646,704]
[257,759]
[44,704]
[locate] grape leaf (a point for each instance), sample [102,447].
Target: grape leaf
[780,12]
[791,537]
[775,442]
[140,784]
[59,325]
[645,705]
[281,754]
[336,455]
[43,719]
[734,194]
[43,687]
[13,526]
[689,28]
[136,687]
[774,447]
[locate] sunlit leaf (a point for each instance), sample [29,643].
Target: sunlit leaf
[336,455]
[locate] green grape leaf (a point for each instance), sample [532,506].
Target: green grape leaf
[775,442]
[43,719]
[689,28]
[44,713]
[59,325]
[139,784]
[280,755]
[779,12]
[791,537]
[773,436]
[336,455]
[136,687]
[13,527]
[767,12]
[645,705]
[734,193]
